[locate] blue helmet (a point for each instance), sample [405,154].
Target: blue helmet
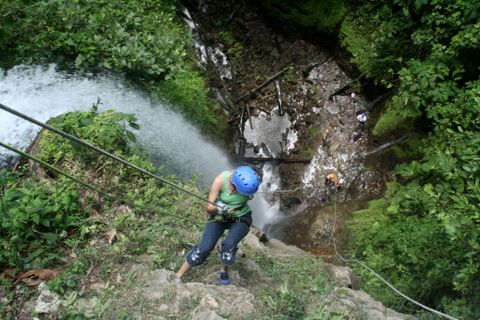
[245,180]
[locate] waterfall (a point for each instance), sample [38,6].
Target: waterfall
[45,92]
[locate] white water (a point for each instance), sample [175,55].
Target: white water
[272,131]
[204,53]
[44,92]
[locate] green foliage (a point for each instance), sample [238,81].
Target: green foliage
[142,39]
[235,48]
[357,35]
[391,121]
[35,218]
[69,279]
[324,16]
[425,235]
[303,281]
[106,130]
[186,90]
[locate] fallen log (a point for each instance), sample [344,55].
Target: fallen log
[344,88]
[264,84]
[276,160]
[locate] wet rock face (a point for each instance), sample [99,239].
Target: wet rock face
[352,304]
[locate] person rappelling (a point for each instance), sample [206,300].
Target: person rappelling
[230,191]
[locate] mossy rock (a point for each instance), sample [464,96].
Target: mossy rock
[389,122]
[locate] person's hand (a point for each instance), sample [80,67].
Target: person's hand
[222,208]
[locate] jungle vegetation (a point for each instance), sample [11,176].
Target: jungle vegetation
[424,234]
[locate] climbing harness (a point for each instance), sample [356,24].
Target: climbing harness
[347,261]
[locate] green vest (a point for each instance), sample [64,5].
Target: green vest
[235,200]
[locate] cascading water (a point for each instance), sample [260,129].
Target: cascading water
[269,136]
[44,92]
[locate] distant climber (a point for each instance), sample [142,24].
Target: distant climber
[325,135]
[230,192]
[333,180]
[361,117]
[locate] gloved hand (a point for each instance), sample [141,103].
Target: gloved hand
[222,208]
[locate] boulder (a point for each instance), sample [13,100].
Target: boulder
[231,300]
[353,304]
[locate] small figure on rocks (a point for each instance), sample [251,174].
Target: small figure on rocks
[333,180]
[362,118]
[230,192]
[358,99]
[325,134]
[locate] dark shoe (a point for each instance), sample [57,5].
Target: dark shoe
[224,279]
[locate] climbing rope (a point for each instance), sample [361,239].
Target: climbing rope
[87,185]
[347,261]
[43,163]
[105,153]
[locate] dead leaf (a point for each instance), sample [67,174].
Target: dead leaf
[31,276]
[112,236]
[119,278]
[31,282]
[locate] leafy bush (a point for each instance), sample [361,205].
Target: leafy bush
[425,235]
[139,37]
[106,130]
[185,89]
[35,218]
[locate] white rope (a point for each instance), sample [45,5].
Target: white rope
[376,274]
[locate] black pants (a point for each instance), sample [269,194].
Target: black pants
[237,230]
